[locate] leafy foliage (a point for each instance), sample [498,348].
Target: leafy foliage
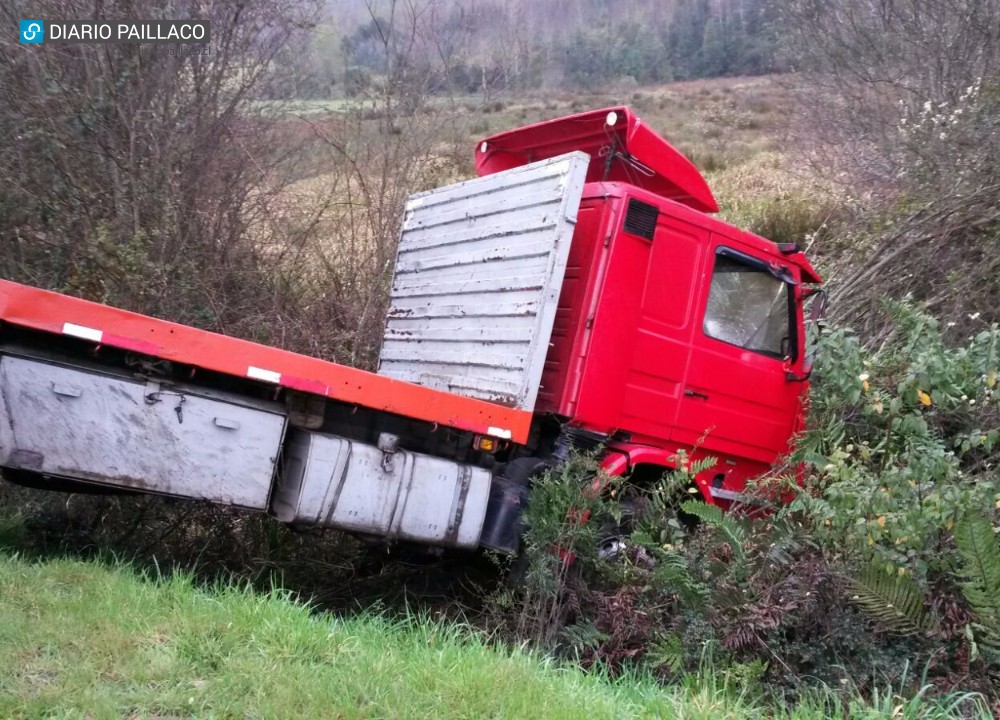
[558,541]
[673,574]
[894,601]
[980,576]
[727,525]
[901,441]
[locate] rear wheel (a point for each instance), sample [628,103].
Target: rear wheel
[614,538]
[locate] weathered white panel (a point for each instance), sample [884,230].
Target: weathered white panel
[331,481]
[520,302]
[499,229]
[113,430]
[478,275]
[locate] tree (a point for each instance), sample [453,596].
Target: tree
[904,108]
[154,177]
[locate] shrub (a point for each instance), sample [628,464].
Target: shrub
[884,560]
[902,441]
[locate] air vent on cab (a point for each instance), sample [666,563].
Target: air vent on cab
[641,219]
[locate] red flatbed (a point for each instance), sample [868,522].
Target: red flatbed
[63,315]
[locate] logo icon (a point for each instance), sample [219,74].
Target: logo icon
[32,32]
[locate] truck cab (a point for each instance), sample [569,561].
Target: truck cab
[675,331]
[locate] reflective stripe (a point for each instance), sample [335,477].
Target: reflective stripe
[261,374]
[82,332]
[498,432]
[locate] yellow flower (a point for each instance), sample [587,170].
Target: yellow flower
[881,521]
[925,398]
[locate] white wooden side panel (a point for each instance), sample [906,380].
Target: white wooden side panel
[478,274]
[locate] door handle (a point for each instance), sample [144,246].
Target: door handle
[695,394]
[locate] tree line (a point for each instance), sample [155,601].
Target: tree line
[468,46]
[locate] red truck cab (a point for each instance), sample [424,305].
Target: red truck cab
[675,331]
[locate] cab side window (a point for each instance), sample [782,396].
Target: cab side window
[748,306]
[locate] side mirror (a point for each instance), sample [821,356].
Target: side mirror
[817,300]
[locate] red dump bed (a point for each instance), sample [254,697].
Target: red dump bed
[622,149]
[55,313]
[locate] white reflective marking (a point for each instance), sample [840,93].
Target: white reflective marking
[83,332]
[483,146]
[266,375]
[498,432]
[612,117]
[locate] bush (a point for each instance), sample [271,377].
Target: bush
[902,440]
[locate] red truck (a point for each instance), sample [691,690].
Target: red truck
[578,293]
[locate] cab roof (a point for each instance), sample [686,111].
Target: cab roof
[790,253]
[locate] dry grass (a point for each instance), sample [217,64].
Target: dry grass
[733,129]
[365,163]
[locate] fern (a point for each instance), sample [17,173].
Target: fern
[980,576]
[583,637]
[668,652]
[895,602]
[713,515]
[672,573]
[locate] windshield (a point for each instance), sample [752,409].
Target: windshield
[748,307]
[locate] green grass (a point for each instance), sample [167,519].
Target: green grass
[81,639]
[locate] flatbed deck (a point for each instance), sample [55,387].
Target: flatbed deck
[60,314]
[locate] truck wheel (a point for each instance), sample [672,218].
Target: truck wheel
[516,478]
[613,540]
[523,469]
[502,526]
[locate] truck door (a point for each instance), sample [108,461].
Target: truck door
[736,396]
[641,337]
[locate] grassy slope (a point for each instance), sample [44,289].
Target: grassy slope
[81,639]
